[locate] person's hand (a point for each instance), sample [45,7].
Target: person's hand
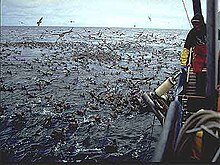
[189,65]
[183,68]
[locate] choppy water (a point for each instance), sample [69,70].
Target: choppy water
[65,98]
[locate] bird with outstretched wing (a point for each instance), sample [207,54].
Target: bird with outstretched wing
[62,34]
[40,21]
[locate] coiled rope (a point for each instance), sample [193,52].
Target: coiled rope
[201,118]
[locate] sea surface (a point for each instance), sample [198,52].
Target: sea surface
[74,94]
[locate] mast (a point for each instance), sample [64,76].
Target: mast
[197,6]
[211,32]
[217,62]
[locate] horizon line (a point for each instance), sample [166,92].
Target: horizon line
[94,27]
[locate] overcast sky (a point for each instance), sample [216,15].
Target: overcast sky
[165,14]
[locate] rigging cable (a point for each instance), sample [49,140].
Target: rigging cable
[186,13]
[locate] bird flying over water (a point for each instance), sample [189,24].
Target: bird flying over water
[62,34]
[40,21]
[21,22]
[149,18]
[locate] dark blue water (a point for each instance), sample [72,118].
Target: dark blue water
[72,94]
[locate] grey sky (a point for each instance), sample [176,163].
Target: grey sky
[168,14]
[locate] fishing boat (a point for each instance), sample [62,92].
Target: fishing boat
[191,122]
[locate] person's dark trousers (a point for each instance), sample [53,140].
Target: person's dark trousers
[201,83]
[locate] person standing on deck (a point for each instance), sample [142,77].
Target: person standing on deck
[197,40]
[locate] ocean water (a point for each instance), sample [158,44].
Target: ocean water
[68,94]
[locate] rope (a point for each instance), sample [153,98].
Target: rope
[187,15]
[152,124]
[196,121]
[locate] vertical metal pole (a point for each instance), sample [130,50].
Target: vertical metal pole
[197,6]
[217,62]
[210,88]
